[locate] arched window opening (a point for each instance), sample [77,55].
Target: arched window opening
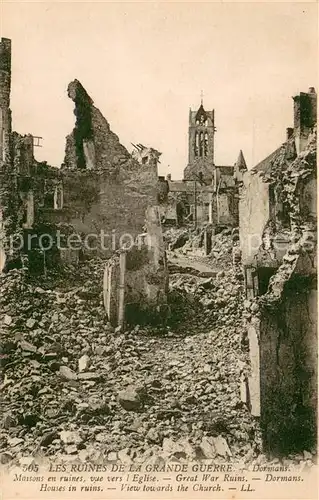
[201,144]
[206,144]
[196,144]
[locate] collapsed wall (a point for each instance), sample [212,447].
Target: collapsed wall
[91,145]
[288,320]
[104,187]
[278,241]
[16,157]
[111,197]
[5,89]
[26,186]
[102,197]
[5,156]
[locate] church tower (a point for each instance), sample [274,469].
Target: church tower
[201,132]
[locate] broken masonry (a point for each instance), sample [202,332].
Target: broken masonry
[100,186]
[278,228]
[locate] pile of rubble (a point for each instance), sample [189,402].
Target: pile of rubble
[74,386]
[192,243]
[220,296]
[43,332]
[223,246]
[176,237]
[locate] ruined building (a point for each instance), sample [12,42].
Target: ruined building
[26,186]
[101,195]
[208,193]
[278,227]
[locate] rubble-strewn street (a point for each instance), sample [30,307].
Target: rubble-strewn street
[65,368]
[74,386]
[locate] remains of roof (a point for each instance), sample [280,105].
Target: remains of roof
[265,165]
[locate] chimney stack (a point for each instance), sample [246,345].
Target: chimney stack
[305,116]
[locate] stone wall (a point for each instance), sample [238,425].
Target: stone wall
[100,187]
[104,187]
[95,202]
[5,154]
[24,182]
[5,89]
[277,212]
[220,210]
[110,198]
[254,213]
[136,280]
[225,209]
[91,145]
[278,242]
[288,358]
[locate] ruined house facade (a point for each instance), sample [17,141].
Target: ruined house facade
[26,186]
[101,195]
[208,193]
[278,227]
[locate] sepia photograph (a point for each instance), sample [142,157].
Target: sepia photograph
[158,250]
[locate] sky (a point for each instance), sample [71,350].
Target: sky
[145,65]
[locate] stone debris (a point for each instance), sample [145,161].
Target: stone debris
[112,456]
[129,399]
[88,376]
[12,442]
[224,246]
[207,448]
[30,323]
[221,447]
[70,437]
[176,238]
[26,346]
[7,320]
[145,394]
[84,363]
[48,438]
[71,449]
[67,373]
